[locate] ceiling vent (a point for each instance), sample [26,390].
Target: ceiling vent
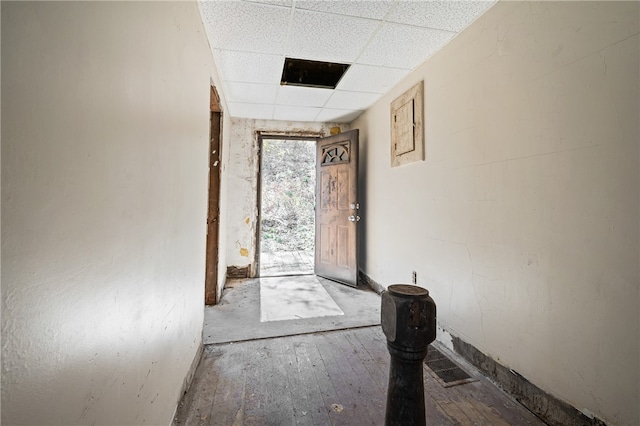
[301,72]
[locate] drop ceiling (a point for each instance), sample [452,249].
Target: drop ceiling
[382,40]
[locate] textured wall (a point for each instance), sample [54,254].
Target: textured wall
[523,220]
[105,111]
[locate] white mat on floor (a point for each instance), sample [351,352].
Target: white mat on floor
[286,298]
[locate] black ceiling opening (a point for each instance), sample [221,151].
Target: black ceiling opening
[302,72]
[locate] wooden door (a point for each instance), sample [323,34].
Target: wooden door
[213,215]
[337,207]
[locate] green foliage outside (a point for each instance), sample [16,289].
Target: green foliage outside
[288,195]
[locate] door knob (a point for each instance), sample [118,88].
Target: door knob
[353,218]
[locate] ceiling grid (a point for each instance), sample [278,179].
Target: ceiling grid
[382,40]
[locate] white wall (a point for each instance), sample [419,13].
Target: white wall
[523,220]
[105,107]
[243,180]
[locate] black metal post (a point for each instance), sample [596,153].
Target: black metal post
[409,323]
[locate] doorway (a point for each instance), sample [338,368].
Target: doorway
[287,199]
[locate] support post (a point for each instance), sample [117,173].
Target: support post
[409,323]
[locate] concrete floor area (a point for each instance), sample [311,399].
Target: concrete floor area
[237,316]
[283,298]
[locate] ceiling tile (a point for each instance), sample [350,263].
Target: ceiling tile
[293,113]
[337,115]
[403,46]
[374,9]
[250,92]
[237,109]
[303,96]
[325,37]
[249,67]
[249,27]
[351,100]
[368,78]
[444,15]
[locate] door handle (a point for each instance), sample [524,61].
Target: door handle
[353,218]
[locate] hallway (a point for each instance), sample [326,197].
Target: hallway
[131,181]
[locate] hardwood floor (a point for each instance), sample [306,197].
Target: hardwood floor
[327,378]
[286,263]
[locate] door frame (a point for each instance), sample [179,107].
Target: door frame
[213,210]
[302,136]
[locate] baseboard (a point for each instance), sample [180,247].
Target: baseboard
[367,280]
[549,408]
[186,383]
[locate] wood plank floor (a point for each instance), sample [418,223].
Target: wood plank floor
[286,263]
[327,378]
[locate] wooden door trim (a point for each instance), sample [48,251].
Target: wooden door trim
[214,101]
[213,209]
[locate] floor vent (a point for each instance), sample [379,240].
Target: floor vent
[444,370]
